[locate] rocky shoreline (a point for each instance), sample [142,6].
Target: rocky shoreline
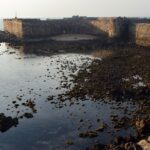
[120,75]
[7,37]
[140,142]
[121,143]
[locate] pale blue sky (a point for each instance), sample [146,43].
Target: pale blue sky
[66,8]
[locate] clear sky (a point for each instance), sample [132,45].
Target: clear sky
[67,8]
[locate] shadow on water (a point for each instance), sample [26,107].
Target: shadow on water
[54,47]
[68,94]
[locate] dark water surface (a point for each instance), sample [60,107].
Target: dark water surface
[35,77]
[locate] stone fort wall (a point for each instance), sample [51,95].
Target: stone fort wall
[13,26]
[33,28]
[128,29]
[142,34]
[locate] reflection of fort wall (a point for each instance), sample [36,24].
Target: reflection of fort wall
[50,48]
[20,48]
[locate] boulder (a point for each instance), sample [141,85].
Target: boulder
[145,145]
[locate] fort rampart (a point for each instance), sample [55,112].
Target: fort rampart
[33,28]
[128,29]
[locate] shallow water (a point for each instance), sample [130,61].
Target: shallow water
[31,76]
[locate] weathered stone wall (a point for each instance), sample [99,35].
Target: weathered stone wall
[106,25]
[35,28]
[139,31]
[114,27]
[142,34]
[13,26]
[126,29]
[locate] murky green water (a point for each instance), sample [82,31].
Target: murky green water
[27,75]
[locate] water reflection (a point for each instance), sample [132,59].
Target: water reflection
[33,79]
[49,48]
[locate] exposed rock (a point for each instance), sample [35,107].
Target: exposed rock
[28,115]
[49,98]
[131,146]
[145,145]
[140,124]
[7,122]
[89,134]
[97,146]
[69,142]
[119,140]
[143,126]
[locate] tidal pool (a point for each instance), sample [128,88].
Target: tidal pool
[33,77]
